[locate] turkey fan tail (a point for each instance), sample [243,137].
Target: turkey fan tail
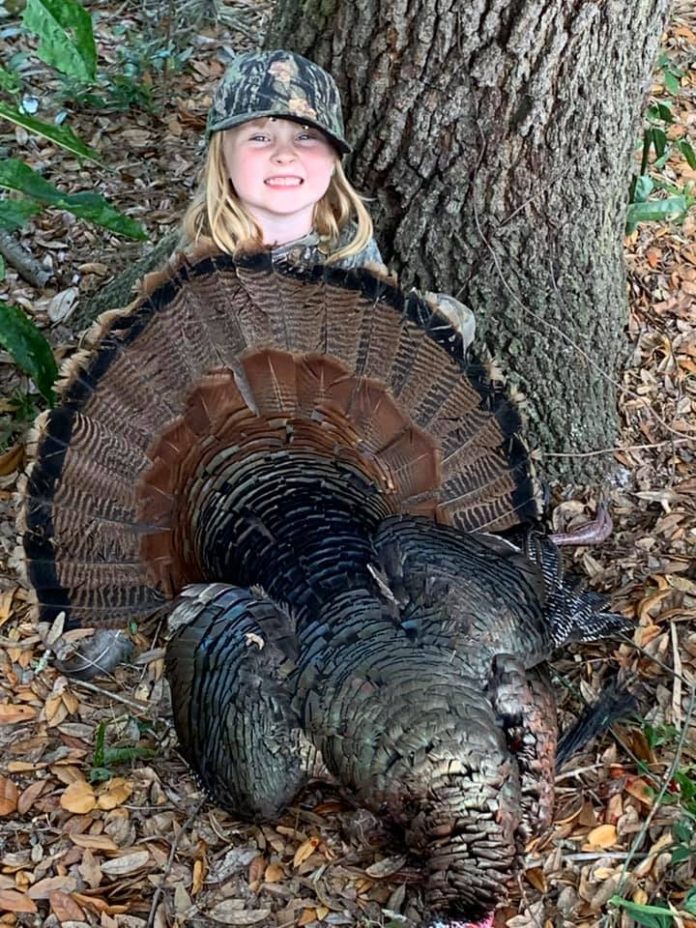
[614,704]
[228,664]
[223,362]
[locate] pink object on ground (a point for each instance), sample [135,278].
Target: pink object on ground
[593,533]
[486,922]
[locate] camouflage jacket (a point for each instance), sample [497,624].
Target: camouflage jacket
[306,250]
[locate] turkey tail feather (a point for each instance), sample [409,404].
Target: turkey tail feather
[221,358]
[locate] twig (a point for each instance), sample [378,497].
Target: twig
[135,704]
[22,261]
[590,454]
[170,863]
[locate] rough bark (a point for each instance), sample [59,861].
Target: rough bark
[496,139]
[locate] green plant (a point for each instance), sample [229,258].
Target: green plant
[105,757]
[657,915]
[643,205]
[66,42]
[18,411]
[29,348]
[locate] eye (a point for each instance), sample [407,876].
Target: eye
[307,134]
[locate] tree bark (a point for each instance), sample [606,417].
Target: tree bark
[496,139]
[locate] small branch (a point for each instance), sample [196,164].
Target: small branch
[590,454]
[170,863]
[22,261]
[135,704]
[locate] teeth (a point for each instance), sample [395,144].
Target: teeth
[284,181]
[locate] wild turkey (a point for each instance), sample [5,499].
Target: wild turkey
[311,450]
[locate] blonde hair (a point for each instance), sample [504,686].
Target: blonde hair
[216,212]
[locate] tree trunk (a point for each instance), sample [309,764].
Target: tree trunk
[496,139]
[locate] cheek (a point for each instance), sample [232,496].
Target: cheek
[322,168]
[241,170]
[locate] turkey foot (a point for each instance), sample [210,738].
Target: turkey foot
[594,533]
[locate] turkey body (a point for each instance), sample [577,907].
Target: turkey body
[308,462]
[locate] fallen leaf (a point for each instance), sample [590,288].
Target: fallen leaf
[386,867]
[199,872]
[535,876]
[78,798]
[11,460]
[8,796]
[308,915]
[129,863]
[10,713]
[602,836]
[12,901]
[44,888]
[94,842]
[65,908]
[274,873]
[640,790]
[227,913]
[30,795]
[305,850]
[114,793]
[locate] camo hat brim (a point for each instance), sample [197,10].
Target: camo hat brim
[280,84]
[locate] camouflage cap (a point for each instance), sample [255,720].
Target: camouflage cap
[280,84]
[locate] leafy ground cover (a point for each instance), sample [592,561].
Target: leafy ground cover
[100,822]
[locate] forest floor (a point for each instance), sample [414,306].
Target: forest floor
[89,836]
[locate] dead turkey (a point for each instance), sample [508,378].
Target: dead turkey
[306,457]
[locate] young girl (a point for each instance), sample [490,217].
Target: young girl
[273,175]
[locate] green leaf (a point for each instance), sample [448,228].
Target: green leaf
[651,916]
[683,830]
[99,742]
[29,348]
[2,268]
[682,852]
[672,81]
[690,901]
[16,175]
[93,207]
[67,41]
[655,211]
[661,112]
[659,140]
[9,81]
[644,187]
[99,774]
[14,213]
[685,148]
[61,135]
[125,754]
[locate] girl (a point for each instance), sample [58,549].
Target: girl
[273,175]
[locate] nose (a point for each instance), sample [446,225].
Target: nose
[283,152]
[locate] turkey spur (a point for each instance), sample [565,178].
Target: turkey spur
[304,462]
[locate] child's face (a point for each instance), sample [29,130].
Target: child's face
[280,169]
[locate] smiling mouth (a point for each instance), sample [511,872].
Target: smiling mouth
[283,181]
